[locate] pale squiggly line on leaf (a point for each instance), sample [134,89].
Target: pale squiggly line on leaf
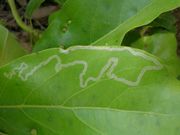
[107,69]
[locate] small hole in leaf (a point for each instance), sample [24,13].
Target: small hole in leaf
[178,77]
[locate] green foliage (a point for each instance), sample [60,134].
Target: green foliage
[163,45]
[89,91]
[10,49]
[99,22]
[33,5]
[166,21]
[148,14]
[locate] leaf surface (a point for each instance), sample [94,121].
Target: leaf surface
[164,46]
[148,14]
[166,21]
[33,5]
[89,91]
[99,22]
[10,49]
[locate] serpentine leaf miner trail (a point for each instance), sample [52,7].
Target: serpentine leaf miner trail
[107,69]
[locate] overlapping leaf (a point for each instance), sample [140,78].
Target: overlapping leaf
[89,91]
[33,5]
[100,21]
[163,45]
[10,49]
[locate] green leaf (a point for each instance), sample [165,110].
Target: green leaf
[10,49]
[61,2]
[33,5]
[89,91]
[166,21]
[99,21]
[163,45]
[145,16]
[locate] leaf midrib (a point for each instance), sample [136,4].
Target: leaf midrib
[82,108]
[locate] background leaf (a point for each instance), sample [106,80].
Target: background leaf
[89,91]
[10,49]
[33,5]
[163,45]
[166,21]
[148,14]
[84,22]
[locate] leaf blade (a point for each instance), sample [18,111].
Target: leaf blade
[99,22]
[53,107]
[10,49]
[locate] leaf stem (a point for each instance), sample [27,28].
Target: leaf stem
[19,21]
